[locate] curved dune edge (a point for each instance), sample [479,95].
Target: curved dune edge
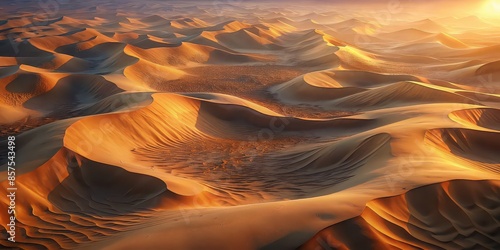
[72,194]
[176,123]
[474,148]
[41,148]
[452,214]
[480,96]
[93,193]
[488,118]
[489,68]
[333,84]
[394,94]
[45,93]
[9,115]
[173,191]
[400,93]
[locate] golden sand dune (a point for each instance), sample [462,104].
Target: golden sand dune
[404,222]
[28,50]
[311,89]
[117,103]
[42,91]
[450,41]
[244,39]
[333,84]
[61,182]
[400,93]
[433,41]
[489,68]
[237,125]
[189,53]
[406,34]
[11,114]
[78,90]
[468,145]
[309,49]
[493,99]
[482,117]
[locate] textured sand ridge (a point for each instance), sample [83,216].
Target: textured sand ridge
[237,125]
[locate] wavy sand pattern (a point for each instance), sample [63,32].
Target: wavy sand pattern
[237,125]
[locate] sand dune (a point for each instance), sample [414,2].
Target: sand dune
[489,68]
[189,22]
[78,90]
[353,24]
[433,41]
[11,114]
[149,74]
[246,39]
[22,86]
[236,125]
[481,96]
[471,146]
[309,50]
[25,50]
[65,176]
[428,25]
[116,103]
[333,84]
[483,117]
[484,52]
[391,95]
[309,88]
[406,34]
[404,222]
[450,41]
[407,92]
[151,42]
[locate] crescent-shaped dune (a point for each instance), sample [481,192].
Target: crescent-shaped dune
[412,221]
[483,117]
[489,68]
[78,90]
[333,84]
[476,148]
[400,93]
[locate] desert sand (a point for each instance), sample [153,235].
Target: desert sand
[246,125]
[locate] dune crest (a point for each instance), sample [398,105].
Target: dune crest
[404,222]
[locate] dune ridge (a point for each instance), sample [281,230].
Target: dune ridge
[403,222]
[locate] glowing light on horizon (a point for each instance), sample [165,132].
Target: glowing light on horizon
[492,8]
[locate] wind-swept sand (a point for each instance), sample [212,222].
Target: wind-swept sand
[200,125]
